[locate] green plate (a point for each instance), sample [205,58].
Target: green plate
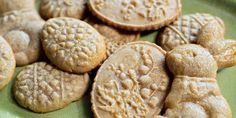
[226,9]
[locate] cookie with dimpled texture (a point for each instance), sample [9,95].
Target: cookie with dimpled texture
[114,38]
[7,63]
[21,29]
[42,87]
[185,30]
[136,15]
[72,45]
[132,82]
[63,8]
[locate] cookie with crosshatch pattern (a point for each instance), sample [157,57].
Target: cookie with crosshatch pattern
[72,44]
[132,82]
[185,30]
[63,8]
[41,87]
[136,15]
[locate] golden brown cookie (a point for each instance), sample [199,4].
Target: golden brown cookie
[194,92]
[41,87]
[132,82]
[136,15]
[11,5]
[211,37]
[63,8]
[114,38]
[7,63]
[73,45]
[21,29]
[184,30]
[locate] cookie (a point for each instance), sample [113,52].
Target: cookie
[132,82]
[114,38]
[72,45]
[41,87]
[194,92]
[136,15]
[184,30]
[7,63]
[211,37]
[11,5]
[21,29]
[63,8]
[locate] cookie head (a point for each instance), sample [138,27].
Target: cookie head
[191,60]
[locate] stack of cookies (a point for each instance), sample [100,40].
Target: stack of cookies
[134,79]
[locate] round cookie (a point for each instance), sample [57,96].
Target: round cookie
[132,82]
[41,87]
[10,5]
[7,63]
[136,15]
[21,30]
[184,30]
[114,38]
[73,45]
[63,8]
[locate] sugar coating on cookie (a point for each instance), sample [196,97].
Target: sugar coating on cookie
[185,30]
[63,8]
[21,30]
[72,45]
[41,87]
[114,38]
[136,15]
[132,82]
[7,63]
[194,92]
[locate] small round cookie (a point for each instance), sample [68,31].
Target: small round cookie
[41,87]
[21,29]
[7,63]
[72,45]
[10,5]
[114,38]
[63,8]
[184,30]
[132,82]
[136,15]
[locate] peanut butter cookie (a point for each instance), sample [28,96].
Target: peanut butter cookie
[114,38]
[21,29]
[41,87]
[211,37]
[63,8]
[7,63]
[132,82]
[136,15]
[73,45]
[184,30]
[194,92]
